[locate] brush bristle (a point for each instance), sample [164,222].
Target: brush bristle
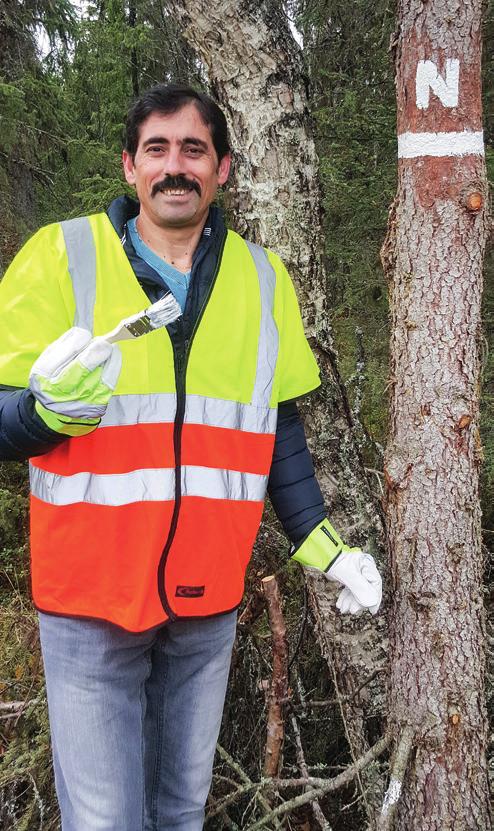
[164,311]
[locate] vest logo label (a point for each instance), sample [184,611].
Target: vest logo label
[189,591]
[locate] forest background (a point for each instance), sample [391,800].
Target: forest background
[67,73]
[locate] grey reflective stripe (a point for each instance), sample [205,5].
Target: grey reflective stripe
[140,409]
[217,412]
[214,412]
[147,485]
[214,483]
[103,489]
[81,254]
[267,349]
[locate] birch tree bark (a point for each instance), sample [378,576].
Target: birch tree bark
[434,254]
[255,71]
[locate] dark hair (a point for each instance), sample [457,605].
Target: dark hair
[170,98]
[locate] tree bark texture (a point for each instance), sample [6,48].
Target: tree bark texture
[255,72]
[434,255]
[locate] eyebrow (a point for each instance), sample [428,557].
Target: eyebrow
[187,140]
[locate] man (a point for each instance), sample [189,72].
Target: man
[149,462]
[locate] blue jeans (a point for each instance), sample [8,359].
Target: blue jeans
[134,720]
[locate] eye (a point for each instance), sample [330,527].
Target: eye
[155,148]
[193,151]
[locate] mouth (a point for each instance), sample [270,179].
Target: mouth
[179,187]
[174,191]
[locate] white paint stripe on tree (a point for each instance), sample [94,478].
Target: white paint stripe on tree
[414,145]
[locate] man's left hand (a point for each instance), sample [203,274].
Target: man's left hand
[357,572]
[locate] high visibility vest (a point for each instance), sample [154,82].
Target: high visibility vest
[154,514]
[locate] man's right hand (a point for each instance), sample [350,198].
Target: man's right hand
[73,380]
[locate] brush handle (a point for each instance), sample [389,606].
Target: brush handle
[159,314]
[140,326]
[119,334]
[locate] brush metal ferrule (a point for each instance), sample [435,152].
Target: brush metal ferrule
[139,327]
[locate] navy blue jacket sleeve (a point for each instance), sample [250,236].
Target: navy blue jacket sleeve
[22,432]
[292,487]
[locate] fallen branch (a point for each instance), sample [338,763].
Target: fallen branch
[228,822]
[253,609]
[316,808]
[279,682]
[343,778]
[12,706]
[10,709]
[398,770]
[248,785]
[353,735]
[321,787]
[330,702]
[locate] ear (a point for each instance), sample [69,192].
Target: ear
[128,167]
[224,169]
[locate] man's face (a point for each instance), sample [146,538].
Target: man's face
[175,170]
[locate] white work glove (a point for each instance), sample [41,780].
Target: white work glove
[324,549]
[73,380]
[357,572]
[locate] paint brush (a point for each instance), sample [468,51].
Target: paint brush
[164,311]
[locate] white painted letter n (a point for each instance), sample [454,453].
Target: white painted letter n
[428,78]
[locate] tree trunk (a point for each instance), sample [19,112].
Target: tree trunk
[434,254]
[255,72]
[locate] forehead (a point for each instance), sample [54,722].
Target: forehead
[185,123]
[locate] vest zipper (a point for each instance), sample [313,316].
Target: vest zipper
[181,357]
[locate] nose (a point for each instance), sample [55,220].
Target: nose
[173,162]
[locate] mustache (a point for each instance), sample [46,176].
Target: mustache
[176,183]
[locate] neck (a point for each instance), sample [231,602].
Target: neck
[175,245]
